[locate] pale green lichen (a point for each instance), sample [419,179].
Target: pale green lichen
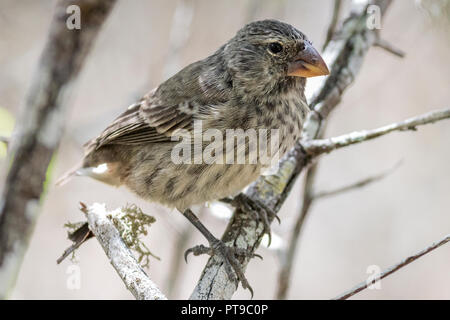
[73,226]
[132,224]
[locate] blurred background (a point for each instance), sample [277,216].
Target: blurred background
[145,41]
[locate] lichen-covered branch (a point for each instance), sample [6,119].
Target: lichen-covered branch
[363,285]
[120,256]
[344,55]
[39,129]
[319,146]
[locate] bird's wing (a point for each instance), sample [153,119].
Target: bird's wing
[164,111]
[142,123]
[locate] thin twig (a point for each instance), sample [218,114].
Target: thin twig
[363,285]
[319,146]
[78,237]
[120,256]
[334,21]
[357,185]
[288,256]
[383,44]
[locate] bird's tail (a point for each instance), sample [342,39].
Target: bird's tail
[68,175]
[78,169]
[104,172]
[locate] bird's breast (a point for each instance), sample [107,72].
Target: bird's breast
[285,117]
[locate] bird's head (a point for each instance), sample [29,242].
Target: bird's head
[266,52]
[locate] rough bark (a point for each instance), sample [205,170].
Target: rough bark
[120,256]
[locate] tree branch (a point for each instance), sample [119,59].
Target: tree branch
[383,44]
[288,255]
[363,285]
[319,146]
[356,185]
[120,256]
[78,236]
[345,56]
[39,130]
[334,21]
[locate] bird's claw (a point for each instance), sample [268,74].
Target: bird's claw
[197,250]
[229,256]
[259,211]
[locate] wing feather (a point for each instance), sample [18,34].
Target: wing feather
[166,110]
[142,123]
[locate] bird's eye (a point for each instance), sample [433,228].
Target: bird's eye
[302,46]
[275,47]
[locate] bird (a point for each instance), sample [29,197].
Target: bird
[256,81]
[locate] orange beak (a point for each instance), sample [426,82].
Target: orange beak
[308,63]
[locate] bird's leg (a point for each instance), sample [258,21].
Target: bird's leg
[259,211]
[217,247]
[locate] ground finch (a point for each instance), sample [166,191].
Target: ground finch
[254,81]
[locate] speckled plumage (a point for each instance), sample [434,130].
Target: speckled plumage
[242,85]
